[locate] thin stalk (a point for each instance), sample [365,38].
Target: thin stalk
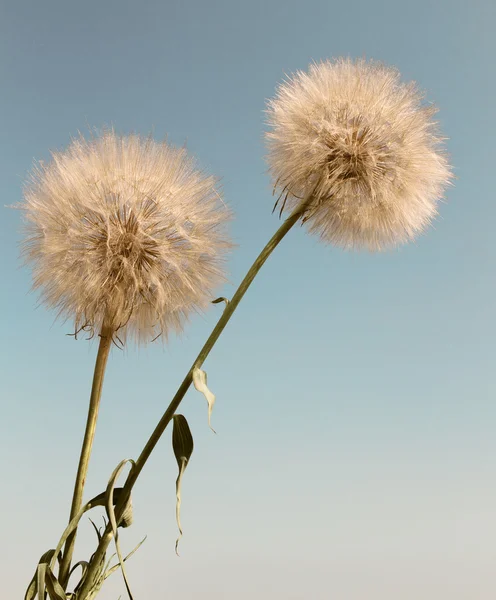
[84,459]
[183,388]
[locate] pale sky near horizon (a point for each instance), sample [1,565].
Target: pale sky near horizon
[355,455]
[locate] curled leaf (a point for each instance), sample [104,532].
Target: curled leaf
[182,444]
[84,564]
[127,515]
[200,383]
[96,501]
[44,581]
[221,299]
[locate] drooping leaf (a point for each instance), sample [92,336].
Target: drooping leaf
[96,501]
[100,499]
[37,583]
[31,591]
[109,505]
[84,564]
[40,580]
[182,444]
[219,300]
[200,383]
[55,590]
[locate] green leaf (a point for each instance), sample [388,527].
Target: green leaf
[109,505]
[221,299]
[97,531]
[182,444]
[97,579]
[109,570]
[200,383]
[31,591]
[84,564]
[55,590]
[40,580]
[101,498]
[37,583]
[96,501]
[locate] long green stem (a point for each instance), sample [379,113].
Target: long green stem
[183,388]
[89,435]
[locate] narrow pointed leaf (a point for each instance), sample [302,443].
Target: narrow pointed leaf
[109,570]
[182,444]
[35,582]
[97,579]
[96,501]
[40,580]
[109,504]
[84,564]
[97,531]
[31,591]
[55,590]
[200,383]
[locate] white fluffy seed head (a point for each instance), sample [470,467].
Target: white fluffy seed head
[363,141]
[124,231]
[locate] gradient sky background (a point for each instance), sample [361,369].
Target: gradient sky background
[356,449]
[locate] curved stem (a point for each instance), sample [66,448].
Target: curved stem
[183,388]
[84,459]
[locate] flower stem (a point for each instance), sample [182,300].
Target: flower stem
[183,388]
[84,459]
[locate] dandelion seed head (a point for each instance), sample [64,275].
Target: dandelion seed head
[125,231]
[364,143]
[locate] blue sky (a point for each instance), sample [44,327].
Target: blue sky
[355,455]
